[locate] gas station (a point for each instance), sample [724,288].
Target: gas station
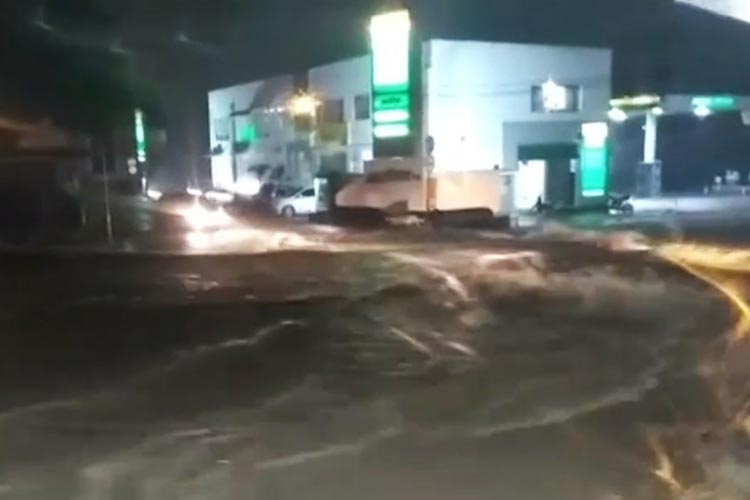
[542,115]
[653,108]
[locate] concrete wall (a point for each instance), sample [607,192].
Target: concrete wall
[345,80]
[474,89]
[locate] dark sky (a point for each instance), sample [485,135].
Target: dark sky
[87,63]
[83,58]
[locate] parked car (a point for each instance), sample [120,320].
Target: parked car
[302,202]
[285,191]
[273,191]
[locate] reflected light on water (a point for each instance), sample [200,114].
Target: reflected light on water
[200,217]
[727,270]
[664,469]
[699,260]
[202,240]
[243,238]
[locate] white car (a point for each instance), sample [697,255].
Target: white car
[303,202]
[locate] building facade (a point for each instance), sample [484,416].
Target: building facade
[484,106]
[485,100]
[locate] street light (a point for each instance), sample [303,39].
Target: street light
[617,115]
[702,111]
[304,104]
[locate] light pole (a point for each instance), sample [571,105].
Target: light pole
[650,137]
[107,202]
[233,142]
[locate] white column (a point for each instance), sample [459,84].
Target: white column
[650,136]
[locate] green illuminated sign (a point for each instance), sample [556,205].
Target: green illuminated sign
[398,100]
[594,158]
[389,131]
[390,34]
[390,49]
[715,103]
[140,136]
[593,172]
[391,116]
[248,134]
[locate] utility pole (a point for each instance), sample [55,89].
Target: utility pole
[650,137]
[107,204]
[233,139]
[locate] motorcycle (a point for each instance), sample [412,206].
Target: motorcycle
[620,204]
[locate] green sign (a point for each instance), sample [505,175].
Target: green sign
[248,134]
[390,34]
[715,103]
[396,100]
[594,172]
[140,136]
[594,158]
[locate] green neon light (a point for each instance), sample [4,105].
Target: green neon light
[398,100]
[390,131]
[140,136]
[715,103]
[594,156]
[391,105]
[594,171]
[248,134]
[391,116]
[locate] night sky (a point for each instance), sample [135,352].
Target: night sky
[68,57]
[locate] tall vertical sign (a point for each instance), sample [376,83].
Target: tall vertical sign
[391,76]
[140,136]
[594,159]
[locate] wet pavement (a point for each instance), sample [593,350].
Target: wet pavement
[320,363]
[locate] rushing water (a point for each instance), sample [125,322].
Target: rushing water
[504,370]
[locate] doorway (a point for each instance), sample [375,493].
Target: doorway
[530,183]
[546,171]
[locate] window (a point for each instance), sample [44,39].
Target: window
[564,99]
[362,107]
[308,193]
[332,111]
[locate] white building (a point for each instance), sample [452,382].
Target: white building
[344,90]
[480,99]
[250,130]
[486,105]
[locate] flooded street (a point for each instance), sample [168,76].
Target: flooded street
[524,368]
